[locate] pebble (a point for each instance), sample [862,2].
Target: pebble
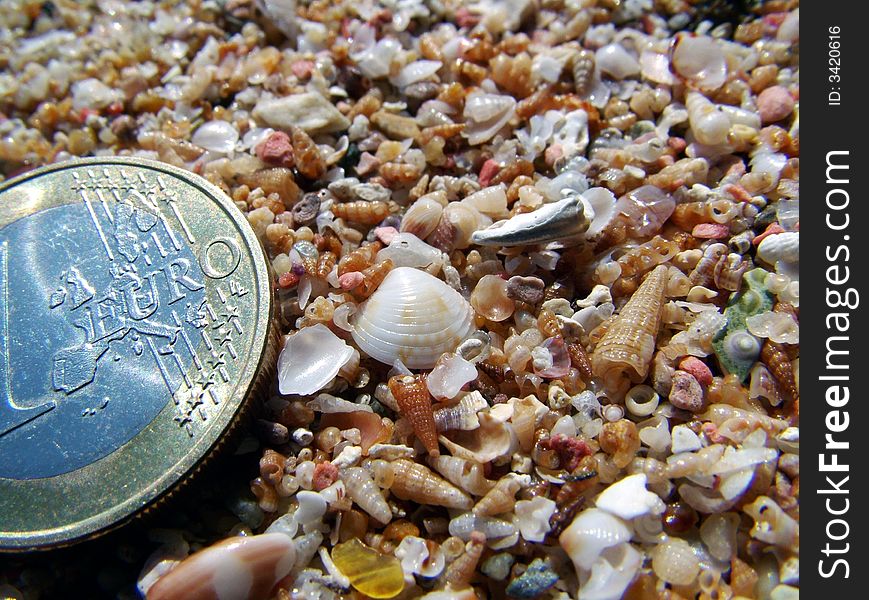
[684,440]
[774,104]
[374,574]
[276,150]
[686,392]
[498,566]
[309,111]
[536,579]
[711,231]
[372,192]
[697,368]
[525,289]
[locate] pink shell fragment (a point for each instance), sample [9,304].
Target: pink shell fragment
[772,229]
[276,150]
[697,368]
[774,104]
[489,169]
[711,231]
[302,69]
[386,234]
[349,281]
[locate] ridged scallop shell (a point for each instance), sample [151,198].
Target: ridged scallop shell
[413,316]
[626,349]
[422,217]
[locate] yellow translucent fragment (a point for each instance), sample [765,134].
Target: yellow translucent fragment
[372,573]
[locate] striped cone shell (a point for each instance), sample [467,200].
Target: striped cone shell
[624,353]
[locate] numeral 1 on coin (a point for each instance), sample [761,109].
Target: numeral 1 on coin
[11,416]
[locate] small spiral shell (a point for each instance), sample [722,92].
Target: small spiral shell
[417,483]
[309,160]
[625,351]
[583,71]
[372,277]
[365,493]
[776,359]
[466,474]
[459,573]
[266,495]
[271,466]
[366,213]
[400,173]
[704,272]
[414,404]
[359,259]
[501,498]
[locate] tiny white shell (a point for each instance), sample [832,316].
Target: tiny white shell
[781,246]
[616,62]
[612,573]
[216,136]
[592,532]
[310,359]
[779,327]
[416,558]
[532,517]
[414,317]
[485,115]
[700,60]
[628,498]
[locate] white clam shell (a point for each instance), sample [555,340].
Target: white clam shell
[414,317]
[310,359]
[616,62]
[700,59]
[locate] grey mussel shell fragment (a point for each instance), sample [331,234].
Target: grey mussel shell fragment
[564,221]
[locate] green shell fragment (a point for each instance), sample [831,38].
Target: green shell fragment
[737,350]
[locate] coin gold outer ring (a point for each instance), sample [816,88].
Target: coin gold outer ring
[143,473]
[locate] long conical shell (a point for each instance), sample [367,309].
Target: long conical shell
[775,358]
[413,316]
[417,483]
[625,351]
[414,404]
[501,498]
[524,422]
[466,474]
[460,572]
[365,493]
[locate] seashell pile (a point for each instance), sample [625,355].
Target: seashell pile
[537,271]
